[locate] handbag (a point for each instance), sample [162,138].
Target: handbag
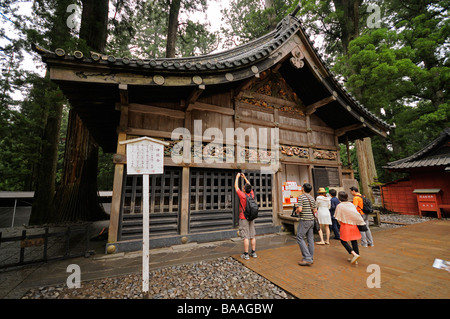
[362,228]
[316,224]
[316,221]
[294,213]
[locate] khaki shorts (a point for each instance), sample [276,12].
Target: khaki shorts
[247,229]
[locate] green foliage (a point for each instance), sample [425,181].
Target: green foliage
[403,71]
[140,30]
[246,20]
[400,71]
[195,39]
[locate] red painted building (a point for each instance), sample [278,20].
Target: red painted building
[427,191]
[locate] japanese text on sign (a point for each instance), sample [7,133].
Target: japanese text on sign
[144,157]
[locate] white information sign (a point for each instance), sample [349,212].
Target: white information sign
[145,156]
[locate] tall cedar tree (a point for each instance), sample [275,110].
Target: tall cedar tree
[76,197]
[175,6]
[58,33]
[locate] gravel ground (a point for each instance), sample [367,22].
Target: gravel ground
[223,278]
[406,219]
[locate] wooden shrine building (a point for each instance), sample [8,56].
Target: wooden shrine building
[275,91]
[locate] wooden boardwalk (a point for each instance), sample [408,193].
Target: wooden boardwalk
[405,256]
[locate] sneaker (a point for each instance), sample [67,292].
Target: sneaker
[245,256]
[305,263]
[354,259]
[253,254]
[350,259]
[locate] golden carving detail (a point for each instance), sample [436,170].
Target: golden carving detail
[325,155]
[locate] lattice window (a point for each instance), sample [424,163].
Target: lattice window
[211,200]
[164,199]
[262,187]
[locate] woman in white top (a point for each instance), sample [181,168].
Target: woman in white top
[323,215]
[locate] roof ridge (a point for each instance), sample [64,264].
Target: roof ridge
[424,151]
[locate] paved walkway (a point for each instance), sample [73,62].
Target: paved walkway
[404,255]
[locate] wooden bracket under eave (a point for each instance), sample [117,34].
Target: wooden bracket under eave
[195,94]
[343,130]
[123,89]
[310,109]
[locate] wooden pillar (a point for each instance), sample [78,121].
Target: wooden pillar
[309,137]
[277,198]
[113,230]
[310,175]
[117,192]
[184,209]
[366,164]
[336,142]
[349,159]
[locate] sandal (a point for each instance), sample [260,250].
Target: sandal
[320,243]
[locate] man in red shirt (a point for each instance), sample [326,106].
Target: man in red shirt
[246,228]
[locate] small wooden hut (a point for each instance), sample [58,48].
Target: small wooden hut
[275,88]
[427,189]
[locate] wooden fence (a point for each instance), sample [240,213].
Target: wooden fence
[44,245]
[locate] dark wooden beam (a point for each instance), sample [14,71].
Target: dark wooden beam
[341,131]
[195,94]
[149,109]
[239,91]
[310,109]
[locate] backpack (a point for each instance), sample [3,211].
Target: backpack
[251,208]
[367,205]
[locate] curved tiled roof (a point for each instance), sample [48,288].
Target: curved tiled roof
[437,153]
[236,58]
[235,64]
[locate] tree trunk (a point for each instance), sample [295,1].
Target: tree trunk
[76,198]
[44,187]
[94,20]
[48,159]
[366,164]
[272,19]
[173,27]
[349,22]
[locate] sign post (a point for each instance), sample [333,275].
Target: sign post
[145,156]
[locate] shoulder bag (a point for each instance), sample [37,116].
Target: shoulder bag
[362,228]
[316,221]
